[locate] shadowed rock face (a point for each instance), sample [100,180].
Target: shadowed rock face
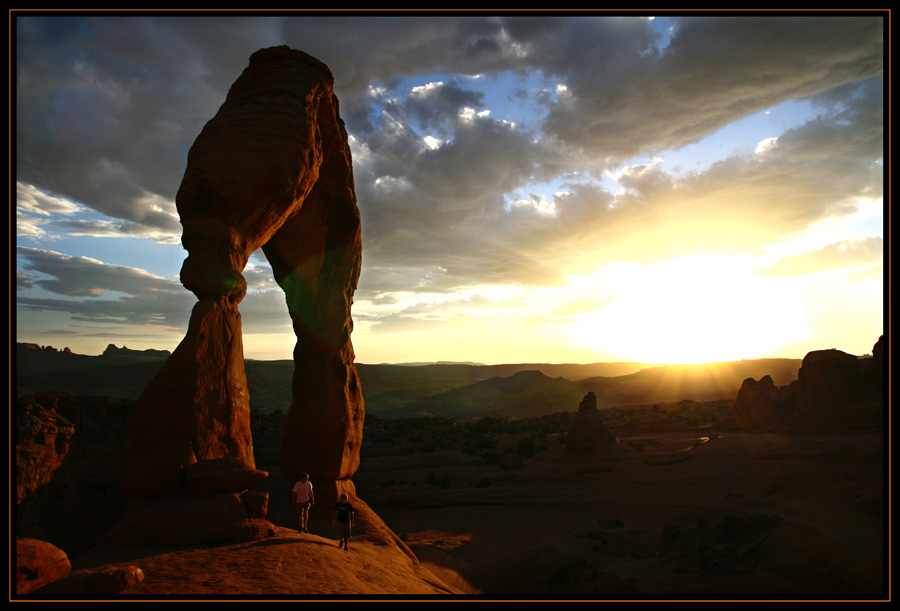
[762,405]
[271,170]
[587,432]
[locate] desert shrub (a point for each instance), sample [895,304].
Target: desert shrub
[594,535]
[267,421]
[438,482]
[488,425]
[610,523]
[511,461]
[526,447]
[491,458]
[483,442]
[732,528]
[559,576]
[671,533]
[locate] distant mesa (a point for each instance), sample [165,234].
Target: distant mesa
[113,350]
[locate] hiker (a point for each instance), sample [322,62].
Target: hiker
[344,516]
[303,499]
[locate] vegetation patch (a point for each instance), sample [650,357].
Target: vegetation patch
[727,546]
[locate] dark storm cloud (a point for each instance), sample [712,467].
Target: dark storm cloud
[715,70]
[486,158]
[361,50]
[108,107]
[102,115]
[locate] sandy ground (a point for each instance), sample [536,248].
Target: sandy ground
[699,515]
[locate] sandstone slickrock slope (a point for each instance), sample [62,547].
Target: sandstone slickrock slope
[271,170]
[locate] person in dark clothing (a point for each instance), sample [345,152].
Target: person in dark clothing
[344,517]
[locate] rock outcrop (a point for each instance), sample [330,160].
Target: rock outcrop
[69,455]
[43,438]
[760,405]
[94,583]
[832,382]
[587,433]
[831,386]
[38,563]
[271,170]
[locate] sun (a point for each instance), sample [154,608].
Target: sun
[699,309]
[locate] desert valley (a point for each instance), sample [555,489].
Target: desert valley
[664,482]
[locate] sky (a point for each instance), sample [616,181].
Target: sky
[533,188]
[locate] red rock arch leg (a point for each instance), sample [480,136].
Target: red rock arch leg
[315,257]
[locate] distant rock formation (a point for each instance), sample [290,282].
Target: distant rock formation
[113,350]
[587,432]
[271,170]
[831,387]
[761,405]
[30,346]
[833,384]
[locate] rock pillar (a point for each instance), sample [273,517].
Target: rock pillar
[271,170]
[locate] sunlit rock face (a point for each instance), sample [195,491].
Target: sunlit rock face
[271,170]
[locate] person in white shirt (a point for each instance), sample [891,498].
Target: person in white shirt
[303,499]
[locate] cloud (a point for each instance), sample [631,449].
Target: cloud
[817,171]
[863,252]
[436,105]
[625,101]
[173,312]
[575,308]
[83,282]
[31,227]
[431,316]
[83,276]
[23,281]
[33,201]
[265,311]
[107,108]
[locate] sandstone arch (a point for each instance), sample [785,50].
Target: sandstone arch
[271,170]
